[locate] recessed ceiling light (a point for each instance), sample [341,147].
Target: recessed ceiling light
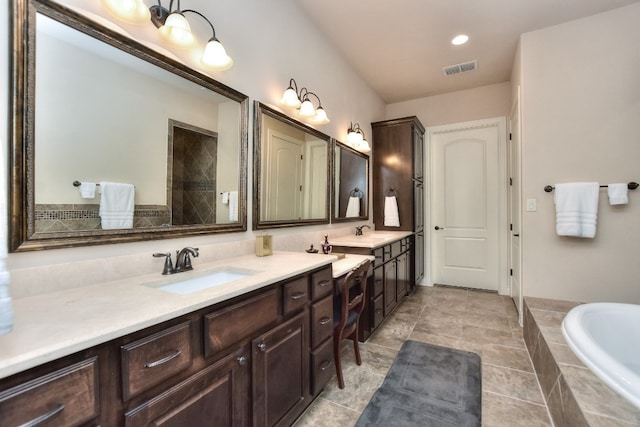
[460,39]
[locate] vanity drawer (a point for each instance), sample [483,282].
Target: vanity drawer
[230,325]
[321,321]
[378,311]
[396,248]
[64,397]
[321,283]
[296,295]
[378,254]
[378,280]
[322,366]
[150,360]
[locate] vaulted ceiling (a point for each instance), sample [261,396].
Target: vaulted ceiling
[401,46]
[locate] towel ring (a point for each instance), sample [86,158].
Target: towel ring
[392,192]
[356,192]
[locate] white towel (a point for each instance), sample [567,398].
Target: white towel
[225,198]
[88,190]
[116,205]
[618,194]
[576,208]
[233,206]
[353,207]
[391,217]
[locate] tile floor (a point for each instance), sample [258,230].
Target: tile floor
[482,322]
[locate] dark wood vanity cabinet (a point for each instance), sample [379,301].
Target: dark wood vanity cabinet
[388,283]
[257,359]
[398,169]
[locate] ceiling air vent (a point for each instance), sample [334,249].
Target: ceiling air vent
[460,68]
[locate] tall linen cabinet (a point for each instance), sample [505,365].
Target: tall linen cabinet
[398,170]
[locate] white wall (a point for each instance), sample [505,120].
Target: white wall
[270,43]
[581,122]
[455,107]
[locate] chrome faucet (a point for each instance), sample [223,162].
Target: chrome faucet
[359,229]
[183,260]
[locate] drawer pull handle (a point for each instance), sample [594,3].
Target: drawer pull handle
[298,295]
[262,347]
[324,283]
[325,320]
[325,365]
[163,360]
[42,418]
[242,360]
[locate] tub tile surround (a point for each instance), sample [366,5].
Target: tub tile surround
[574,395]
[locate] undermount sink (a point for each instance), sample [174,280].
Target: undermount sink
[197,281]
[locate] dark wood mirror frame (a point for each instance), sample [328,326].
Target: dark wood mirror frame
[22,142]
[362,184]
[259,111]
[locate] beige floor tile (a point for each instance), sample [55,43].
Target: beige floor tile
[324,413]
[507,357]
[502,411]
[511,382]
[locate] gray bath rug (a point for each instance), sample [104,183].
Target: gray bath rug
[428,385]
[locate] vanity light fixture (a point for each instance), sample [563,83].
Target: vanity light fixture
[355,138]
[173,27]
[300,99]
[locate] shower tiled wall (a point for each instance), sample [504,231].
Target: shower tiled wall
[71,217]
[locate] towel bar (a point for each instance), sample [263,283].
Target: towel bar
[356,192]
[391,192]
[631,186]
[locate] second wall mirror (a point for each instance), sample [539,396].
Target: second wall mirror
[350,193]
[291,171]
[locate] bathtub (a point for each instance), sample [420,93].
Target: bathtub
[606,338]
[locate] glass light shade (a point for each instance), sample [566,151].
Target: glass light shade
[354,138]
[290,98]
[320,117]
[176,30]
[131,11]
[364,146]
[215,56]
[306,109]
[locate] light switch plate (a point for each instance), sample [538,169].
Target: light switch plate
[532,205]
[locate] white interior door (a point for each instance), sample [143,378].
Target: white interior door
[283,172]
[515,203]
[468,204]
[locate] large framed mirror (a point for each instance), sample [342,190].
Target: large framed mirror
[350,192]
[93,108]
[292,169]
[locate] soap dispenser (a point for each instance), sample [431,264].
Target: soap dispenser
[326,247]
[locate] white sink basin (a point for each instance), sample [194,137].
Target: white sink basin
[197,281]
[606,337]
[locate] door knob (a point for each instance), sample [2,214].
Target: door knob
[437,227]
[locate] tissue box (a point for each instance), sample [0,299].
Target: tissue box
[264,245]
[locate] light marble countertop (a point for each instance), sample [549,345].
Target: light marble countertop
[370,239]
[348,263]
[53,325]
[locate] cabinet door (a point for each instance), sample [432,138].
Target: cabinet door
[418,254]
[390,284]
[217,395]
[281,372]
[402,276]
